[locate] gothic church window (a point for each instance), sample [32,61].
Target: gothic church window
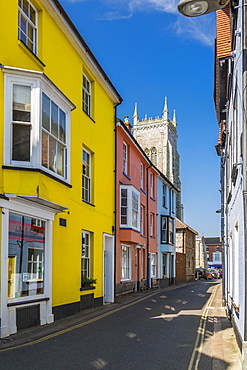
[154,156]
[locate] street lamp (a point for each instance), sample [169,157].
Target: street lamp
[194,8]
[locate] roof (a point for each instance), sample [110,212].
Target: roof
[182,226]
[121,124]
[213,240]
[85,47]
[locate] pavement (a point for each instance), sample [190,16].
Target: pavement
[224,350]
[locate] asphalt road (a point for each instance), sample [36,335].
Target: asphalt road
[168,330]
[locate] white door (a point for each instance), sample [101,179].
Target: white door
[108,268]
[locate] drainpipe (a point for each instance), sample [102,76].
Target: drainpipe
[222,216]
[115,196]
[148,233]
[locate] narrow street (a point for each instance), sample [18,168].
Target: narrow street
[162,329]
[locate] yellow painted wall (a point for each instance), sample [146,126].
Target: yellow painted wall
[64,67]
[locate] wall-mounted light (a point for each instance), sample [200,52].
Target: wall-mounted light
[194,8]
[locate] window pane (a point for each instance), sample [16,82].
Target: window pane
[22,103]
[54,119]
[52,154]
[46,112]
[25,6]
[32,14]
[45,158]
[62,125]
[21,143]
[25,256]
[60,159]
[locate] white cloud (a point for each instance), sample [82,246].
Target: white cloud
[200,29]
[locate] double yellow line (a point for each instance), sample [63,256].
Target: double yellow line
[60,332]
[197,351]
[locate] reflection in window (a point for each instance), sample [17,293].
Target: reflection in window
[25,256]
[53,136]
[86,176]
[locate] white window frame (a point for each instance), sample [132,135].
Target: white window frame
[8,317]
[142,176]
[153,266]
[152,224]
[217,257]
[164,229]
[29,23]
[39,84]
[125,158]
[167,228]
[87,95]
[164,195]
[87,177]
[126,265]
[142,220]
[86,247]
[129,222]
[151,185]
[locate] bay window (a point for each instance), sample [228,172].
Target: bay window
[129,207]
[37,124]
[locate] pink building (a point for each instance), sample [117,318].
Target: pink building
[136,214]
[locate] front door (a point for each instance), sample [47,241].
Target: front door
[108,268]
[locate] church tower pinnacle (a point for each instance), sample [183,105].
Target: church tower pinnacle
[165,110]
[135,116]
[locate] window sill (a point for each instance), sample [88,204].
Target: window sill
[90,204]
[126,281]
[31,169]
[129,228]
[153,237]
[30,53]
[27,301]
[87,288]
[143,191]
[89,116]
[153,199]
[125,174]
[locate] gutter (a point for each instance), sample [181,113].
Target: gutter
[148,233]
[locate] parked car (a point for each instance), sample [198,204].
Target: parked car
[215,273]
[203,273]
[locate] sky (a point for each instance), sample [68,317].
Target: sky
[150,51]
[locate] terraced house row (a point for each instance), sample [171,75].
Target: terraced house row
[85,214]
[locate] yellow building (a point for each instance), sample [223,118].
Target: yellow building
[57,114]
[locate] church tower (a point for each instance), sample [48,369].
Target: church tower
[158,139]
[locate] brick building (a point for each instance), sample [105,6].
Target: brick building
[214,252]
[185,252]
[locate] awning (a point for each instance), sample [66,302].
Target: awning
[43,202]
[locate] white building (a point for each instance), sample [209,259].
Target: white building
[230,101]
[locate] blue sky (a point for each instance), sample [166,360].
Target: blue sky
[150,51]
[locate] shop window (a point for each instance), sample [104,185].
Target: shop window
[26,252]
